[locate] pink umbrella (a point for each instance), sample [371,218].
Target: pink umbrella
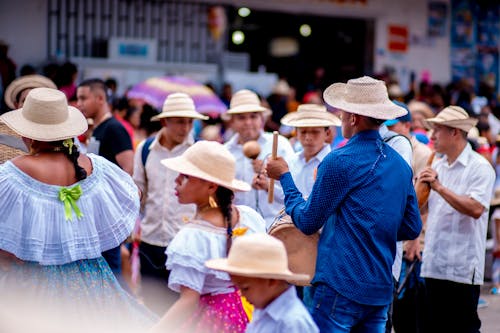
[154,91]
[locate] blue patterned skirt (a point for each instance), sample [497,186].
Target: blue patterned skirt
[80,296]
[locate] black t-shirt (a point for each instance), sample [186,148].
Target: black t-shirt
[109,139]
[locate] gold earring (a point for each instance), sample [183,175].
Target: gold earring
[212,202]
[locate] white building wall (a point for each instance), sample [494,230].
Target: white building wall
[23,25]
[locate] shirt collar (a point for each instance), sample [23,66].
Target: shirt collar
[320,155]
[278,307]
[365,135]
[463,158]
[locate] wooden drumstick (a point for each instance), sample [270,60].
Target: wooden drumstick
[423,190]
[270,190]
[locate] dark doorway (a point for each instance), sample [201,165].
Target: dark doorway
[343,47]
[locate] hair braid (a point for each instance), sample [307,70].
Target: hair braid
[224,198]
[80,172]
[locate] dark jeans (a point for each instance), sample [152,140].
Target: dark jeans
[154,279]
[452,306]
[333,312]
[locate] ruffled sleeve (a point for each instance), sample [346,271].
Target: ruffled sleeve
[187,253]
[34,226]
[250,219]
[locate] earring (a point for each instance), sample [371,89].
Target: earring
[212,202]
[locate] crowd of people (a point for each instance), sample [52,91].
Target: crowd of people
[118,217]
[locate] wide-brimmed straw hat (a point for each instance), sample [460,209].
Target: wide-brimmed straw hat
[422,107]
[258,255]
[46,116]
[311,115]
[25,82]
[364,96]
[179,105]
[244,101]
[211,161]
[453,116]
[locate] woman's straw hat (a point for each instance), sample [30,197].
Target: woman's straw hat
[244,101]
[46,116]
[179,105]
[211,161]
[258,255]
[25,82]
[453,116]
[310,115]
[364,96]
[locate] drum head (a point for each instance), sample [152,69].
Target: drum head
[301,249]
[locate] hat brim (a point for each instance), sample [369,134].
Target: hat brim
[184,166]
[221,264]
[180,114]
[245,109]
[334,96]
[310,119]
[462,124]
[25,82]
[73,126]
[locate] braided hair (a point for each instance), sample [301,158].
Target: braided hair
[224,198]
[73,154]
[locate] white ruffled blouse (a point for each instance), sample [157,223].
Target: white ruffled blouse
[198,241]
[34,226]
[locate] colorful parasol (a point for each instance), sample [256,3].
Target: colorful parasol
[154,91]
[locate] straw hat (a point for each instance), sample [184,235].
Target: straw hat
[208,160]
[281,88]
[46,116]
[258,255]
[14,145]
[453,116]
[25,82]
[311,115]
[418,106]
[179,105]
[244,101]
[364,96]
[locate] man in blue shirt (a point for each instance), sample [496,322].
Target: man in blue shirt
[364,199]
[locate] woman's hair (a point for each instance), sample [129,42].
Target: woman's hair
[224,198]
[70,151]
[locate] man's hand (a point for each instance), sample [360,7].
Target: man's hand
[412,249]
[276,167]
[430,176]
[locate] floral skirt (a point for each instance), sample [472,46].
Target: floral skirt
[221,313]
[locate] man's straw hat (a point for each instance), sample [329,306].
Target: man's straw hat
[23,83]
[258,255]
[46,116]
[244,101]
[211,161]
[453,116]
[364,96]
[310,115]
[179,105]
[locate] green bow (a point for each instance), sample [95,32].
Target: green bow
[69,196]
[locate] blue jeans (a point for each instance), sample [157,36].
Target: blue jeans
[333,313]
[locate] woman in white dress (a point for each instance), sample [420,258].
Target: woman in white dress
[59,211]
[209,302]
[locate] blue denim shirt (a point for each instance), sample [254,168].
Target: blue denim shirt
[364,198]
